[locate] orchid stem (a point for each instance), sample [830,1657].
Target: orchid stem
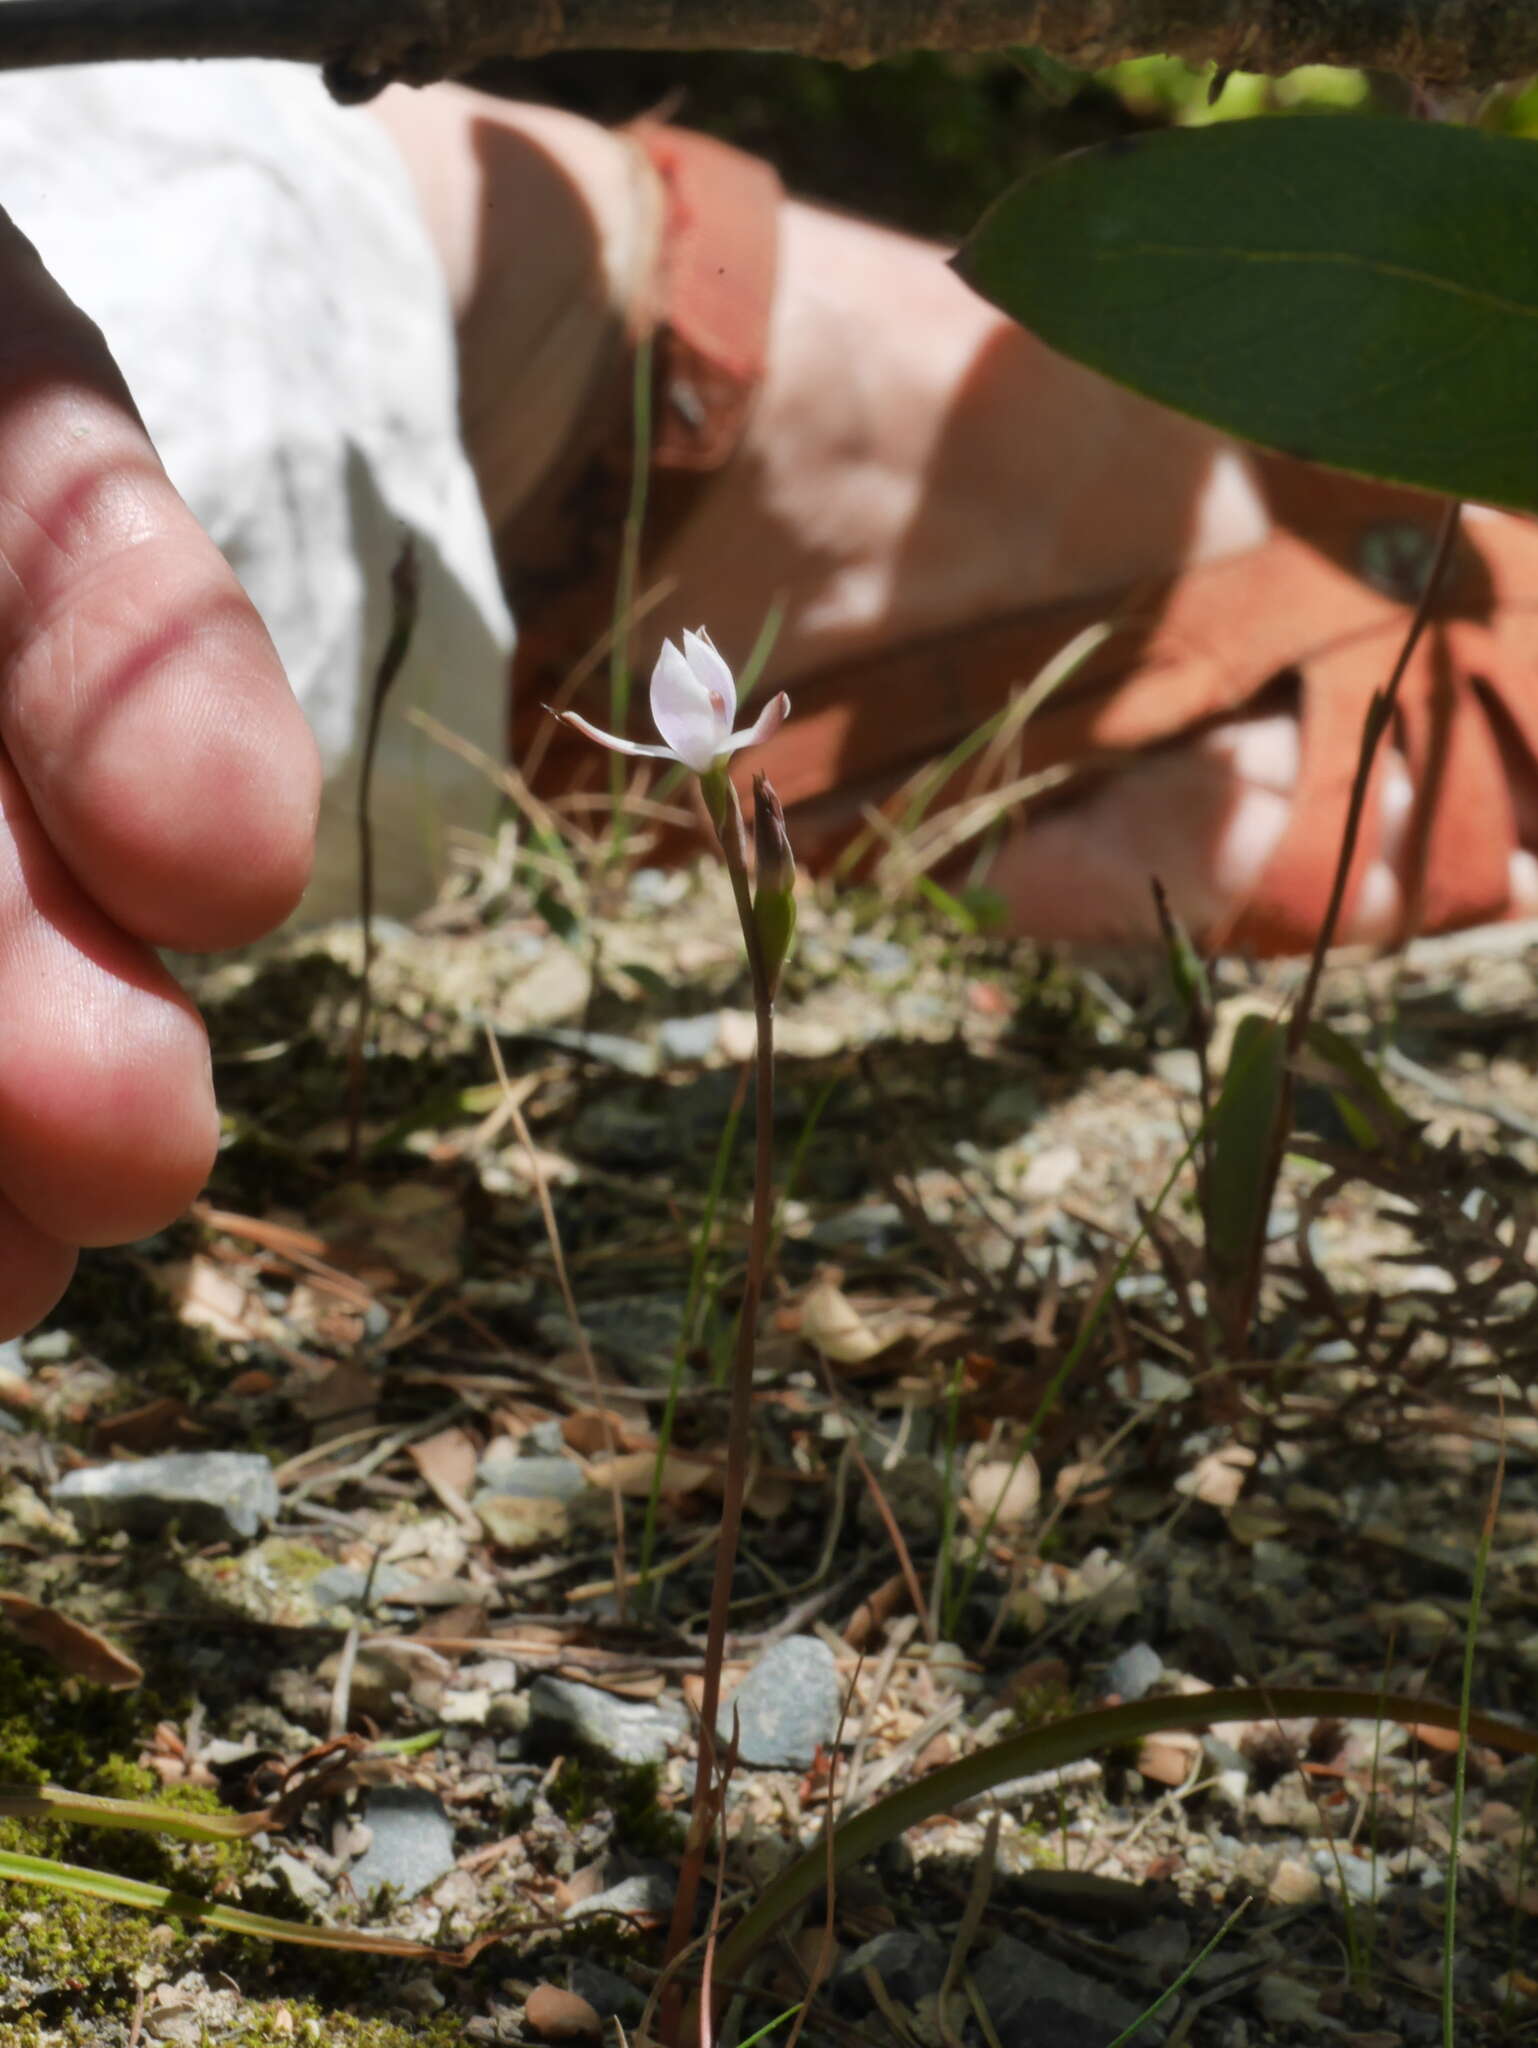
[727,817]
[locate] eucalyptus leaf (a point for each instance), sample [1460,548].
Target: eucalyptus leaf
[1361,293]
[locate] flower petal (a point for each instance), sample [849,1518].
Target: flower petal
[768,721]
[711,668]
[608,739]
[695,721]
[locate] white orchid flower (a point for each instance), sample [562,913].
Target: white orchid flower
[694,699]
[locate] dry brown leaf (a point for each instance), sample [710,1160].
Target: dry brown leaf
[339,1401]
[831,1324]
[769,1496]
[321,1317]
[417,1227]
[447,1459]
[167,1756]
[1256,1522]
[251,1385]
[1443,1740]
[1293,1883]
[208,1296]
[1085,1483]
[585,1883]
[163,1425]
[592,1432]
[876,1610]
[562,2016]
[514,1523]
[73,1647]
[1168,1759]
[1218,1478]
[630,1474]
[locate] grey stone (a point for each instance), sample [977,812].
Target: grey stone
[210,1495]
[882,959]
[604,1048]
[1134,1672]
[503,1471]
[787,1707]
[412,1846]
[641,1331]
[870,1227]
[344,1585]
[1010,1110]
[659,888]
[1222,1756]
[914,1491]
[49,1347]
[910,1963]
[13,1359]
[306,1885]
[1161,1944]
[1366,1878]
[609,1994]
[1032,1998]
[546,1439]
[1178,1067]
[689,1038]
[628,1731]
[651,1893]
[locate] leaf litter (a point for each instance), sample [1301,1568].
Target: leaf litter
[972,1138]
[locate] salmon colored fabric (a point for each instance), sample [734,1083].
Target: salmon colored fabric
[1322,604]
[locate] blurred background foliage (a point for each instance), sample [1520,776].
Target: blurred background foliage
[926,142]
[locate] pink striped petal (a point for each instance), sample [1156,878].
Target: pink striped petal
[768,721]
[608,739]
[692,716]
[701,655]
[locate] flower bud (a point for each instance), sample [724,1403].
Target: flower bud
[774,896]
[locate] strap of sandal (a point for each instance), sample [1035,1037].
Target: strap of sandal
[1326,599]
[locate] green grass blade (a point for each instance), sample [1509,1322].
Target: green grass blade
[83,1809]
[1066,1741]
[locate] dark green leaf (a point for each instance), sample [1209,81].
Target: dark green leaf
[1244,1152]
[1361,293]
[1373,1119]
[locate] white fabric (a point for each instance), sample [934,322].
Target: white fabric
[256,259]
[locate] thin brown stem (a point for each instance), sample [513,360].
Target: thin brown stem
[740,1411]
[405,594]
[1379,716]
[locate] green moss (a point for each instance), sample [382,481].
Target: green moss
[66,1962]
[297,2026]
[60,1731]
[623,1796]
[1037,1705]
[68,1965]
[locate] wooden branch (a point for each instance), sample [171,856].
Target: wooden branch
[365,44]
